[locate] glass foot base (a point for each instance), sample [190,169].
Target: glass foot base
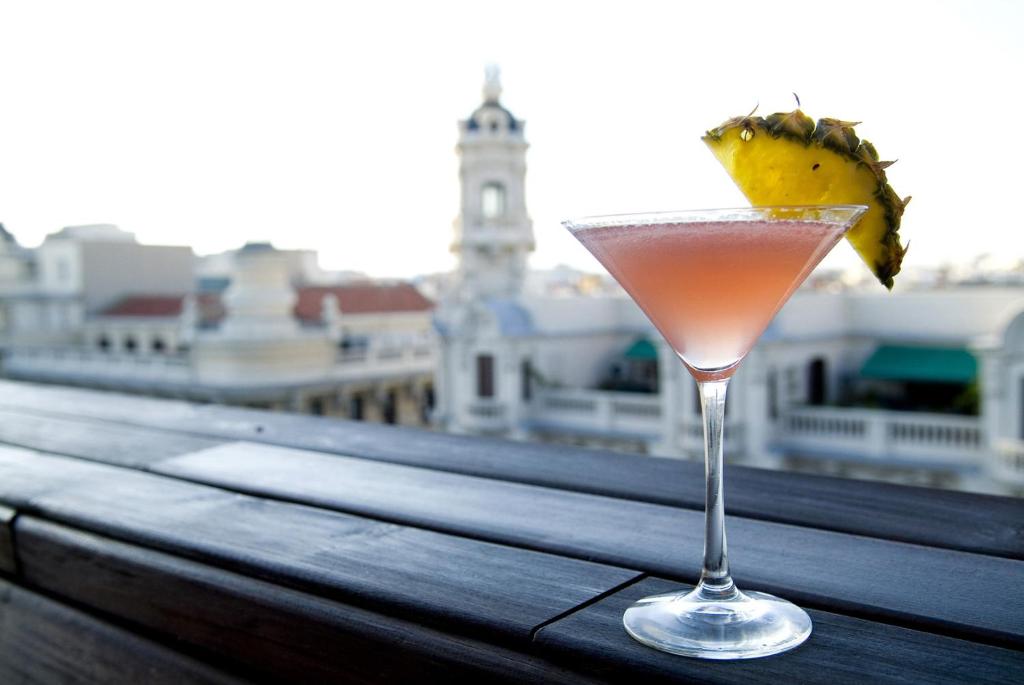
[709,625]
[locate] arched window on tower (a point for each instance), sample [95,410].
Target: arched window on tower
[492,200]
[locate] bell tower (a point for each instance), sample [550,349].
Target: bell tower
[493,232]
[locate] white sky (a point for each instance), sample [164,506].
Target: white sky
[332,125]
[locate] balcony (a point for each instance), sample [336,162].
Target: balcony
[158,541]
[596,412]
[918,440]
[487,415]
[884,437]
[119,369]
[384,362]
[79,364]
[631,416]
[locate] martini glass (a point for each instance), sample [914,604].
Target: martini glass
[711,281]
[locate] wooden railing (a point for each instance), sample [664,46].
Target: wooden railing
[156,541]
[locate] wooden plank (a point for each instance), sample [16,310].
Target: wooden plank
[908,584]
[107,442]
[840,650]
[18,485]
[7,560]
[42,641]
[951,520]
[268,631]
[436,578]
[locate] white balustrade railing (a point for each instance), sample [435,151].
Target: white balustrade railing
[385,361]
[597,411]
[487,410]
[55,363]
[1007,462]
[487,415]
[883,435]
[71,362]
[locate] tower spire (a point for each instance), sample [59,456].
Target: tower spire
[492,83]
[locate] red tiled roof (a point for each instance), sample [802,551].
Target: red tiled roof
[362,298]
[359,298]
[211,309]
[145,305]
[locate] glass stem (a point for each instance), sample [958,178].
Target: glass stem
[715,581]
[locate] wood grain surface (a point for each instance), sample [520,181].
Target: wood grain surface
[952,520]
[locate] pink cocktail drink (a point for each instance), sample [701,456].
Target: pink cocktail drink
[711,288]
[711,280]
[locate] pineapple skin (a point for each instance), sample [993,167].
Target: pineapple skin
[787,159]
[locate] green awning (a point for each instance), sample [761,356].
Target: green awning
[923,364]
[642,350]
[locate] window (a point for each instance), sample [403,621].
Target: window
[485,375]
[130,344]
[526,371]
[355,408]
[390,409]
[792,385]
[773,394]
[816,382]
[354,345]
[103,343]
[492,200]
[428,403]
[158,346]
[316,406]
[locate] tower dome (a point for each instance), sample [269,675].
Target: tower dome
[491,116]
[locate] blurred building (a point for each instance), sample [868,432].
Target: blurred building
[214,271]
[925,385]
[919,387]
[93,307]
[15,262]
[80,270]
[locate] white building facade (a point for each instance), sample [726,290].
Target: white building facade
[98,309]
[823,391]
[77,272]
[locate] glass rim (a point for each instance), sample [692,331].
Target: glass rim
[710,214]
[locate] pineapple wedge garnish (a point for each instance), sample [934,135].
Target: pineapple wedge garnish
[787,159]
